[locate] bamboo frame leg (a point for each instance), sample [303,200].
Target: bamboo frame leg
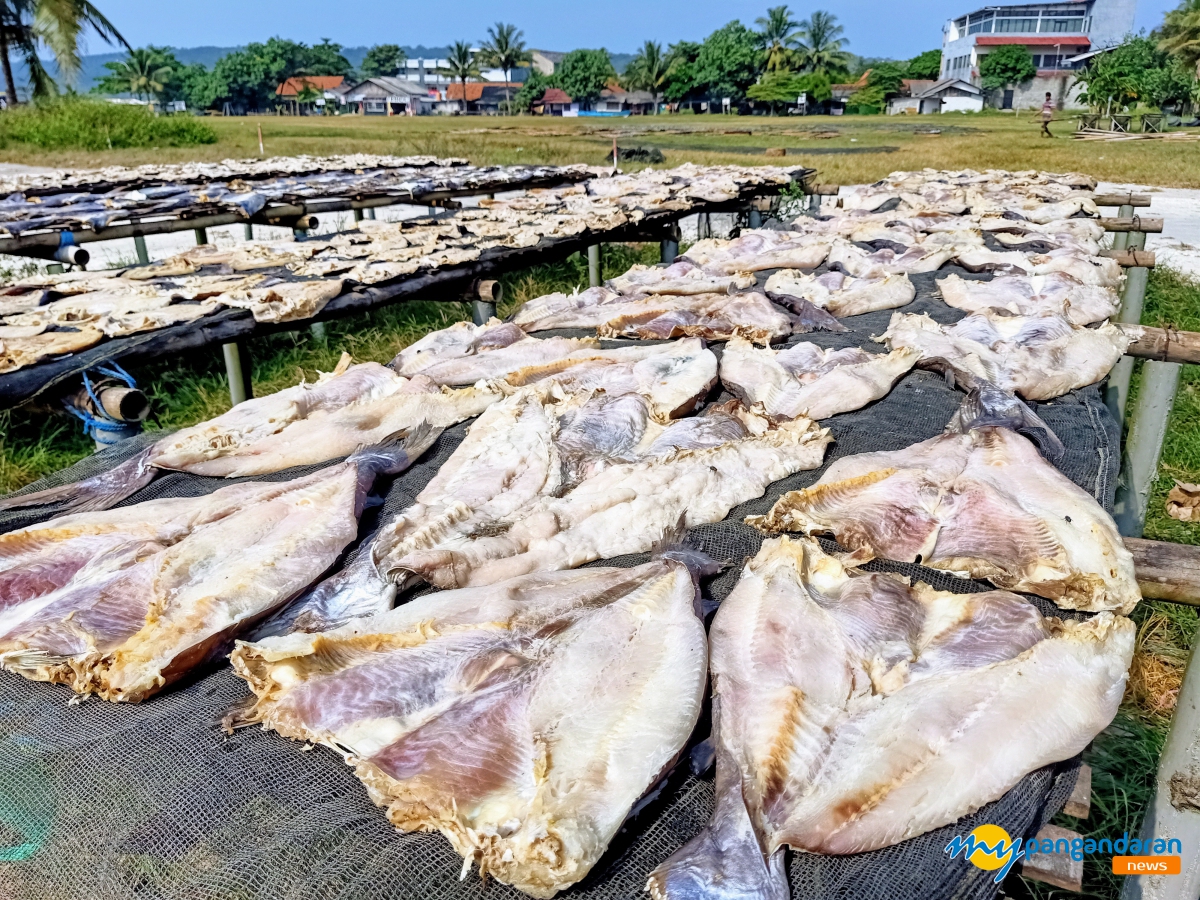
[1172,813]
[1121,238]
[1132,302]
[201,236]
[594,272]
[237,370]
[1148,428]
[755,218]
[139,246]
[249,231]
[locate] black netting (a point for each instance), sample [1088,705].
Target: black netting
[154,801]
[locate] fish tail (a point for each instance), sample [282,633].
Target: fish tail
[988,405]
[398,450]
[675,545]
[724,861]
[98,492]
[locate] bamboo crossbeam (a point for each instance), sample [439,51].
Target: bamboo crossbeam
[1166,571]
[1166,345]
[1146,224]
[1131,259]
[1139,200]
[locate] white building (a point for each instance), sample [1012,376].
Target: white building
[1053,33]
[432,72]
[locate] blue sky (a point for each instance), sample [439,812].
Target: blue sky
[873,27]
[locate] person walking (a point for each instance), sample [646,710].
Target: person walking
[1047,116]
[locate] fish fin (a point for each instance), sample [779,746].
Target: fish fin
[240,715]
[398,450]
[808,317]
[702,756]
[101,491]
[989,405]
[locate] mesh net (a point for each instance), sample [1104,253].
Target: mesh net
[153,800]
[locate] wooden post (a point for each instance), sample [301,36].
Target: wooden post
[1132,301]
[594,273]
[1174,810]
[139,245]
[201,236]
[1148,428]
[237,371]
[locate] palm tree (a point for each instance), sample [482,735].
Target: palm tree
[56,24]
[145,71]
[1181,34]
[649,70]
[820,43]
[505,50]
[461,64]
[778,36]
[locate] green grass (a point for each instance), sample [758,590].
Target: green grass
[73,123]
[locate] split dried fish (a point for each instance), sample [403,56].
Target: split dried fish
[839,294]
[846,706]
[1033,295]
[522,720]
[806,380]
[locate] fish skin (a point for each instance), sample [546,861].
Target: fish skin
[805,380]
[841,295]
[984,504]
[757,251]
[1038,357]
[141,615]
[852,701]
[681,277]
[523,720]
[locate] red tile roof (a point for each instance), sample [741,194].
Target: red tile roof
[555,95]
[294,86]
[475,89]
[1065,40]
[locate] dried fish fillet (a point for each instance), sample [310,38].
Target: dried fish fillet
[847,710]
[1033,295]
[522,720]
[465,353]
[19,351]
[839,294]
[756,251]
[124,628]
[681,277]
[1038,357]
[984,504]
[853,260]
[806,380]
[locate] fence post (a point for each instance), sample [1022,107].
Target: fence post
[237,371]
[1172,813]
[1132,301]
[594,273]
[1148,428]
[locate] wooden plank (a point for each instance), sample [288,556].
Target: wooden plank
[1166,345]
[1131,258]
[1145,224]
[1079,804]
[1058,869]
[1138,200]
[1166,571]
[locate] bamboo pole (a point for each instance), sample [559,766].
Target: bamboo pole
[237,371]
[594,272]
[1121,239]
[1147,429]
[1132,300]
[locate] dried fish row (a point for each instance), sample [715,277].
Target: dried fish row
[282,281]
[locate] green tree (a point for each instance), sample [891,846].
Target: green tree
[324,58]
[926,65]
[59,26]
[888,77]
[250,77]
[1180,34]
[382,60]
[681,82]
[196,86]
[1135,71]
[821,44]
[505,50]
[778,37]
[145,72]
[649,71]
[1010,64]
[584,74]
[729,62]
[461,64]
[533,88]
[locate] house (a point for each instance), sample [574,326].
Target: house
[907,102]
[546,61]
[555,102]
[331,88]
[1055,34]
[947,95]
[614,100]
[390,96]
[482,96]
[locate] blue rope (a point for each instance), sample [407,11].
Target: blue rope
[100,422]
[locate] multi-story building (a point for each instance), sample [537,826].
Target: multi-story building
[1054,33]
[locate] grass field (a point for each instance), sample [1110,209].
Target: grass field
[845,150]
